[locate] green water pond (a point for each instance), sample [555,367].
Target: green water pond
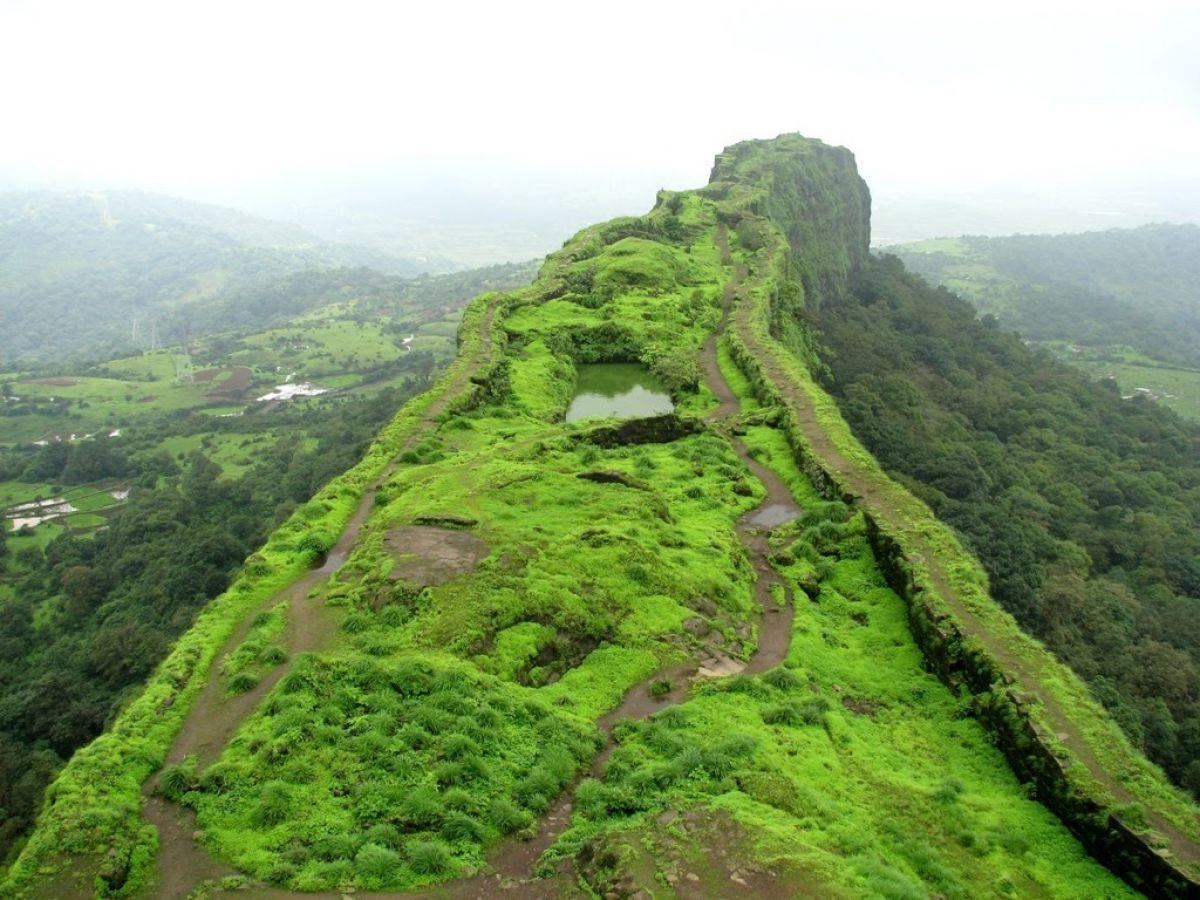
[618,391]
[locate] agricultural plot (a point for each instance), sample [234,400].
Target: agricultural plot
[1175,387]
[234,452]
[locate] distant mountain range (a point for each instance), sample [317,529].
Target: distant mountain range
[84,275]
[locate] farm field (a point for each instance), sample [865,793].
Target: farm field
[1116,304]
[222,377]
[1175,387]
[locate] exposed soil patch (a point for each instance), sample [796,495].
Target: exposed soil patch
[59,381]
[233,386]
[426,555]
[699,854]
[859,706]
[206,374]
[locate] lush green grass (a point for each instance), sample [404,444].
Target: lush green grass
[317,349]
[233,451]
[852,763]
[928,540]
[92,808]
[443,716]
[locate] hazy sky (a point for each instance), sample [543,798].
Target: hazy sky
[173,95]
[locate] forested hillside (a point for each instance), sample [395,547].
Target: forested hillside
[1121,304]
[89,275]
[1084,508]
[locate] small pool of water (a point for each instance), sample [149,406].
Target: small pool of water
[619,391]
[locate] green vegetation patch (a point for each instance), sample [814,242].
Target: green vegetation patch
[851,763]
[384,774]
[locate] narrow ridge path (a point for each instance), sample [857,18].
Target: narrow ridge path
[512,864]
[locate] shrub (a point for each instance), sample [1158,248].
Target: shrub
[458,798]
[274,804]
[384,835]
[782,714]
[784,679]
[334,847]
[314,545]
[450,772]
[414,736]
[281,872]
[536,790]
[672,717]
[507,816]
[175,781]
[461,827]
[219,778]
[376,864]
[720,759]
[456,746]
[242,682]
[660,687]
[812,710]
[422,807]
[428,857]
[274,655]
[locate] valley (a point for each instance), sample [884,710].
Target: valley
[1121,305]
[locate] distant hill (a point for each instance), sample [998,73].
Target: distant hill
[86,275]
[1138,287]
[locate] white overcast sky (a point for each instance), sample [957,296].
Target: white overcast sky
[165,94]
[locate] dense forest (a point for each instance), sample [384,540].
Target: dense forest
[1137,287]
[78,270]
[1084,508]
[93,614]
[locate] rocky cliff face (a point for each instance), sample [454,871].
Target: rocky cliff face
[814,195]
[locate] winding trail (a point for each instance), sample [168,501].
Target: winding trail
[181,863]
[868,494]
[512,864]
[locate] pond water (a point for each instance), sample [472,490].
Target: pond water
[617,390]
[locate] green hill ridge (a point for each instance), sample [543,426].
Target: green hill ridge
[709,652]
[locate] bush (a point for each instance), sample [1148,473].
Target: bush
[176,781]
[334,847]
[456,746]
[506,816]
[784,679]
[428,857]
[536,790]
[314,545]
[274,655]
[422,807]
[782,714]
[458,798]
[660,687]
[274,804]
[242,682]
[376,864]
[461,827]
[281,872]
[384,835]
